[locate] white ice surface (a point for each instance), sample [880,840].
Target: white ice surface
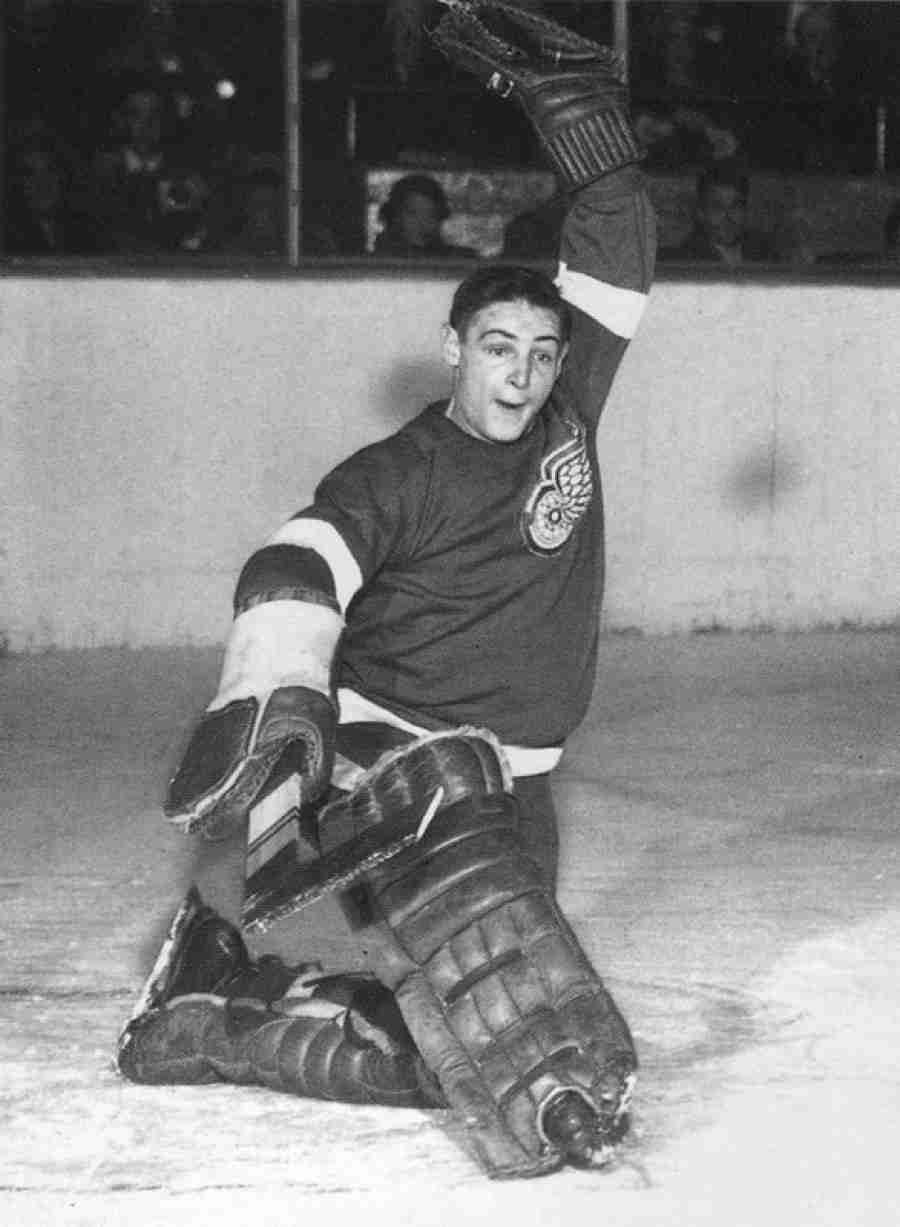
[730,860]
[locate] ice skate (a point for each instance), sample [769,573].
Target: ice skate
[210,1013]
[205,954]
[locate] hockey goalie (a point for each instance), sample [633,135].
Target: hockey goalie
[409,653]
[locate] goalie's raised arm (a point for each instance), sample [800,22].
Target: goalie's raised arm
[606,260]
[573,93]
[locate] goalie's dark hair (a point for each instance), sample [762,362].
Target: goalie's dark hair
[508,283]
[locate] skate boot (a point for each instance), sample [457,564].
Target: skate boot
[204,953]
[209,1013]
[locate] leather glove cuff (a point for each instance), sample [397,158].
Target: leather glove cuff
[591,146]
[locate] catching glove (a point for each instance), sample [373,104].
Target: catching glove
[571,90]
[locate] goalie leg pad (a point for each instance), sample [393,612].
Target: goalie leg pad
[378,810]
[498,994]
[393,794]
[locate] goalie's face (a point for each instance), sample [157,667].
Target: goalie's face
[505,364]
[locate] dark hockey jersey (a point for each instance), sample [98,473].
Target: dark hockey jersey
[470,572]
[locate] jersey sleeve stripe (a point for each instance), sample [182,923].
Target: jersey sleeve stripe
[280,643]
[616,308]
[325,539]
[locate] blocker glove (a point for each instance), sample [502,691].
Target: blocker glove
[571,90]
[234,750]
[275,707]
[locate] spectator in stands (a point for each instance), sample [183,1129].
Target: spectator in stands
[413,216]
[333,207]
[887,253]
[677,136]
[127,175]
[534,234]
[813,55]
[258,225]
[40,217]
[720,233]
[187,212]
[797,240]
[683,53]
[822,123]
[148,197]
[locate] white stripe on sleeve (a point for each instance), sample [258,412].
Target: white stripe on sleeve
[617,309]
[278,643]
[325,539]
